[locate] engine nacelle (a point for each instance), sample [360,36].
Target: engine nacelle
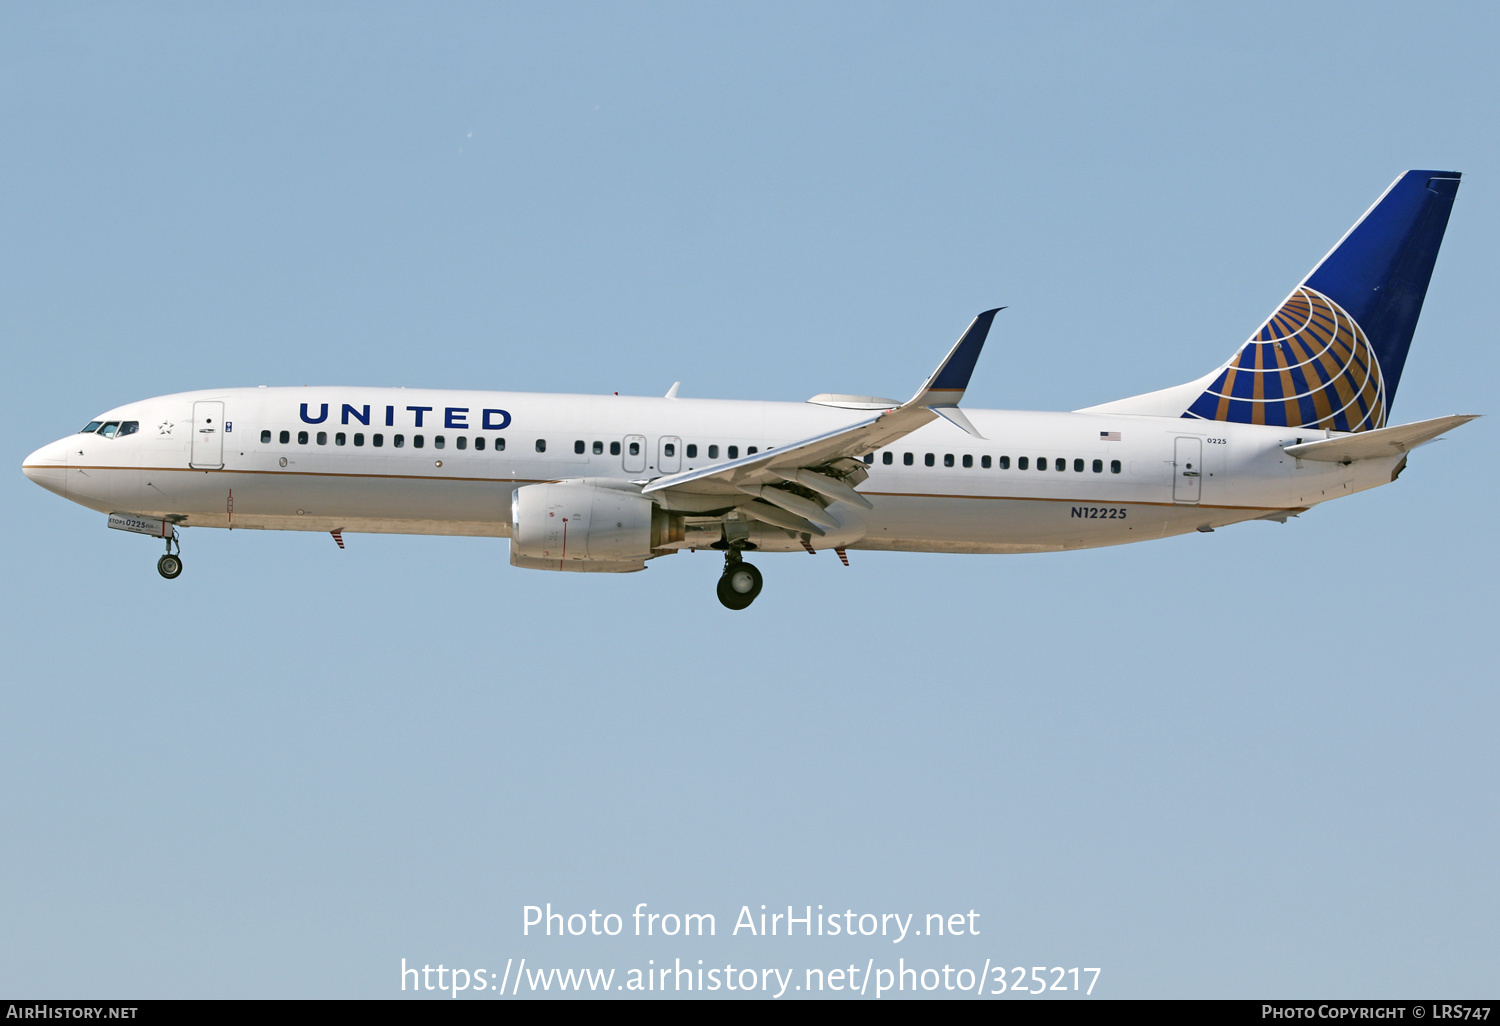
[573,521]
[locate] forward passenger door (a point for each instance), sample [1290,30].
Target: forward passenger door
[208,436]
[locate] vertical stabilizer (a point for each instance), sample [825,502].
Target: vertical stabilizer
[1331,355]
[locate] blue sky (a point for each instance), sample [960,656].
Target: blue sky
[1257,762]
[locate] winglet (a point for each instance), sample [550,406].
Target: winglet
[672,392]
[948,383]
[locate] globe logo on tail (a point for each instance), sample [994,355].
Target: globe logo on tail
[1310,365]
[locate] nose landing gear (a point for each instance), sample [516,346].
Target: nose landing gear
[740,582]
[170,565]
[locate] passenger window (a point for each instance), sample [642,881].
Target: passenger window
[751,451]
[599,449]
[438,441]
[869,459]
[340,438]
[670,449]
[286,436]
[948,459]
[377,440]
[1041,463]
[713,452]
[359,438]
[906,459]
[929,459]
[461,442]
[1114,466]
[692,451]
[417,441]
[1098,466]
[301,437]
[578,448]
[92,426]
[1005,463]
[500,444]
[1022,463]
[888,458]
[541,445]
[1060,464]
[968,460]
[108,431]
[130,427]
[614,448]
[984,461]
[398,441]
[1078,466]
[734,452]
[479,443]
[322,437]
[635,448]
[265,437]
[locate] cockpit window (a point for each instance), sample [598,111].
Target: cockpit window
[92,427]
[108,430]
[130,427]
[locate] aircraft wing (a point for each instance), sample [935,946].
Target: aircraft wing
[1387,441]
[803,477]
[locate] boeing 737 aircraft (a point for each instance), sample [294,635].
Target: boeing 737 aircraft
[1297,416]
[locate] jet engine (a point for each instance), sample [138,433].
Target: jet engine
[581,525]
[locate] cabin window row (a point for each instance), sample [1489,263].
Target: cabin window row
[377,440]
[1058,463]
[668,449]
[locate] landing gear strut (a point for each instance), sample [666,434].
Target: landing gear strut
[170,566]
[740,582]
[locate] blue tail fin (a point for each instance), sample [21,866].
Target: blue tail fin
[1331,355]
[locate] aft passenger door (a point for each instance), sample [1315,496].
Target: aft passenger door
[208,436]
[633,458]
[1187,470]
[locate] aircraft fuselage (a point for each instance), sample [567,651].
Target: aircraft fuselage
[410,461]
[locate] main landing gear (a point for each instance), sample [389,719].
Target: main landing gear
[170,565]
[740,582]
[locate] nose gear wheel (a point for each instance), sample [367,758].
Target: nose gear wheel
[170,565]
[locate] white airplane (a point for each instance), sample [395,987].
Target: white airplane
[1297,416]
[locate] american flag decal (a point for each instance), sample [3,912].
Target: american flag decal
[1109,436]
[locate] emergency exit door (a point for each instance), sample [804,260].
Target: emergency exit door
[669,454]
[208,436]
[1187,470]
[633,459]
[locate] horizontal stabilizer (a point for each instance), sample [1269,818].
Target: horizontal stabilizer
[1366,445]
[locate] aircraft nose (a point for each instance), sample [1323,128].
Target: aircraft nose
[48,467]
